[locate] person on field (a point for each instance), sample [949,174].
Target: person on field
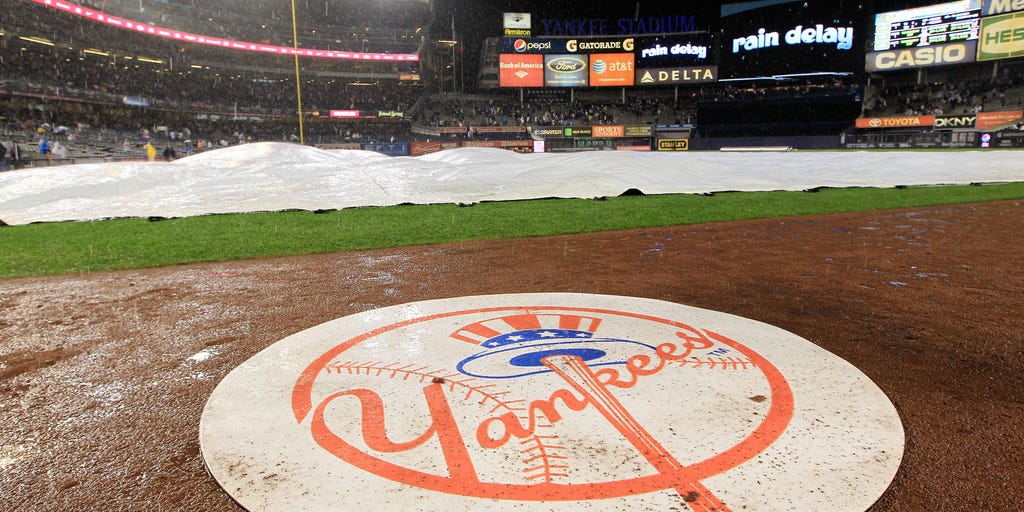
[150,152]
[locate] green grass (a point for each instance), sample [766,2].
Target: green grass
[73,247]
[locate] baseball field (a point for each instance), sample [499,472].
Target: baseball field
[105,369]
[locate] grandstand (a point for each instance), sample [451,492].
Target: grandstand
[374,74]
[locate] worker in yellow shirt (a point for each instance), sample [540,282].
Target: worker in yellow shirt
[150,152]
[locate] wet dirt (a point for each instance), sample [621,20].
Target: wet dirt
[103,377]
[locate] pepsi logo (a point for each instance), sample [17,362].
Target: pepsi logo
[519,45]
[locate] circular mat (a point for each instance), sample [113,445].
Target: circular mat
[534,402]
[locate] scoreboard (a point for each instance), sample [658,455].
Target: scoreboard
[951,22]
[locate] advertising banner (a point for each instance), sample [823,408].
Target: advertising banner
[612,70]
[638,131]
[546,132]
[608,131]
[922,56]
[482,144]
[679,50]
[558,45]
[532,45]
[345,114]
[499,129]
[673,144]
[991,7]
[673,76]
[896,122]
[521,70]
[1002,37]
[987,120]
[589,45]
[572,131]
[340,145]
[425,148]
[392,149]
[1008,139]
[955,122]
[565,70]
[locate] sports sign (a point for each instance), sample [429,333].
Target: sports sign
[609,131]
[521,70]
[896,122]
[612,70]
[565,70]
[559,45]
[1002,37]
[955,122]
[549,402]
[345,114]
[674,76]
[988,120]
[923,56]
[673,144]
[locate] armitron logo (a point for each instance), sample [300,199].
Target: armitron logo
[567,65]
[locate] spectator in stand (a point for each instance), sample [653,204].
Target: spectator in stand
[44,149]
[59,151]
[3,157]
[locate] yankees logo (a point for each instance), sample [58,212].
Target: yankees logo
[549,402]
[530,384]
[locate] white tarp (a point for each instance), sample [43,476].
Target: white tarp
[277,176]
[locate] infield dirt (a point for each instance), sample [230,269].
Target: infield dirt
[103,377]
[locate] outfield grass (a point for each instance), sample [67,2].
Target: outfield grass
[73,247]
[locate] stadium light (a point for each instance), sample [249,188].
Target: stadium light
[92,51]
[37,40]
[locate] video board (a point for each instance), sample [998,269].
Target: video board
[786,38]
[674,59]
[950,22]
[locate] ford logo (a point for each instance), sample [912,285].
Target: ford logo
[567,65]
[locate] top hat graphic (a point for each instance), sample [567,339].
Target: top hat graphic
[516,345]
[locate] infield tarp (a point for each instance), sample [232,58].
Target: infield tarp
[278,176]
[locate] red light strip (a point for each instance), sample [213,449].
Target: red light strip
[222,43]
